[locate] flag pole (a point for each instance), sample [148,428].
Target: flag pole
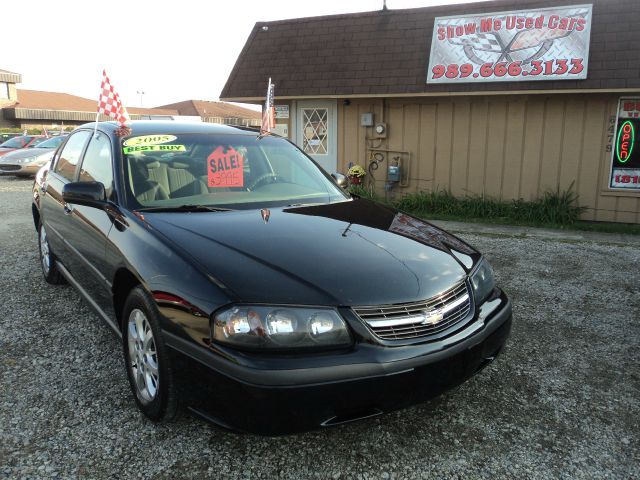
[267,114]
[95,129]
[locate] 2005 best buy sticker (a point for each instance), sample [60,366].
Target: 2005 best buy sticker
[149,140]
[154,148]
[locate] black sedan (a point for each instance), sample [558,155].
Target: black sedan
[246,284]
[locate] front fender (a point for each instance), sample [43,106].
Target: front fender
[185,293]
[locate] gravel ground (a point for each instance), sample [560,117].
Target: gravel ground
[562,402]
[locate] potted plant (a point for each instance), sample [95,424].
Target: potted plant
[356,174]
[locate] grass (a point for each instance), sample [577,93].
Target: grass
[555,209]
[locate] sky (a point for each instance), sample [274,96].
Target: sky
[171,51]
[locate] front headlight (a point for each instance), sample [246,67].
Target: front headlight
[280,327]
[482,281]
[27,160]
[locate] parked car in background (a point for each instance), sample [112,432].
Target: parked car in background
[21,141]
[27,161]
[6,136]
[245,282]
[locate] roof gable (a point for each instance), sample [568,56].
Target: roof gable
[387,52]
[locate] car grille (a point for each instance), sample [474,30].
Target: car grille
[419,319]
[10,168]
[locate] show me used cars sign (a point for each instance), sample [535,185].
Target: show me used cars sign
[543,44]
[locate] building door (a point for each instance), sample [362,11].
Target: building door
[316,132]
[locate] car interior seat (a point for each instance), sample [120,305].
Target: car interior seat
[148,178]
[182,181]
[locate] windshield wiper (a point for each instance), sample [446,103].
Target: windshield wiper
[184,208]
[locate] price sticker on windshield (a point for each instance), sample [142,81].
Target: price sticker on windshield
[225,168]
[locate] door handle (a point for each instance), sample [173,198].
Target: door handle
[67,209]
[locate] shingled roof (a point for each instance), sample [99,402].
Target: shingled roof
[38,100]
[208,109]
[387,52]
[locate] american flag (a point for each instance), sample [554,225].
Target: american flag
[269,112]
[109,102]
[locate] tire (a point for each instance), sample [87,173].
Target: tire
[148,366]
[48,259]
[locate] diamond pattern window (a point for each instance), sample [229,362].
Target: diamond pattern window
[315,140]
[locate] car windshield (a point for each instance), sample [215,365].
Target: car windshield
[16,142]
[36,142]
[49,142]
[165,171]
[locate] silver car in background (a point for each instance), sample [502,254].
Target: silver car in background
[27,161]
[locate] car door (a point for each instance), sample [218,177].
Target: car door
[55,213]
[90,225]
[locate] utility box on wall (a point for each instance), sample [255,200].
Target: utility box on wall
[366,120]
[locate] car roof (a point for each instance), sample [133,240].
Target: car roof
[145,127]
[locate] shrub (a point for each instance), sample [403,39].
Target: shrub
[558,208]
[363,192]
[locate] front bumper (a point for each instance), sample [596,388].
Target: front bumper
[29,169]
[336,388]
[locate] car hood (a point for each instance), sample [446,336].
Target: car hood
[26,153]
[5,150]
[348,253]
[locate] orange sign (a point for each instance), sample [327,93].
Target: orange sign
[224,167]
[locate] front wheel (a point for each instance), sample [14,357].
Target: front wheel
[148,366]
[47,259]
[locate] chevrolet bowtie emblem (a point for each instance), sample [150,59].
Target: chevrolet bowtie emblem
[432,317]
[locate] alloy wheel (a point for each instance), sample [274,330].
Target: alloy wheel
[143,357]
[44,251]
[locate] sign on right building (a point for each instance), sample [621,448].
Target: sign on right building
[525,45]
[625,162]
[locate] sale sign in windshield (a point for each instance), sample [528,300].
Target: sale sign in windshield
[546,44]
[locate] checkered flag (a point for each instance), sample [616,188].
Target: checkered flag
[480,41]
[109,102]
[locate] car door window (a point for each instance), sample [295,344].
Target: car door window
[97,163]
[70,155]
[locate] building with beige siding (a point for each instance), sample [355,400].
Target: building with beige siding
[446,94]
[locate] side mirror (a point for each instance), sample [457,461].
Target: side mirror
[90,194]
[341,180]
